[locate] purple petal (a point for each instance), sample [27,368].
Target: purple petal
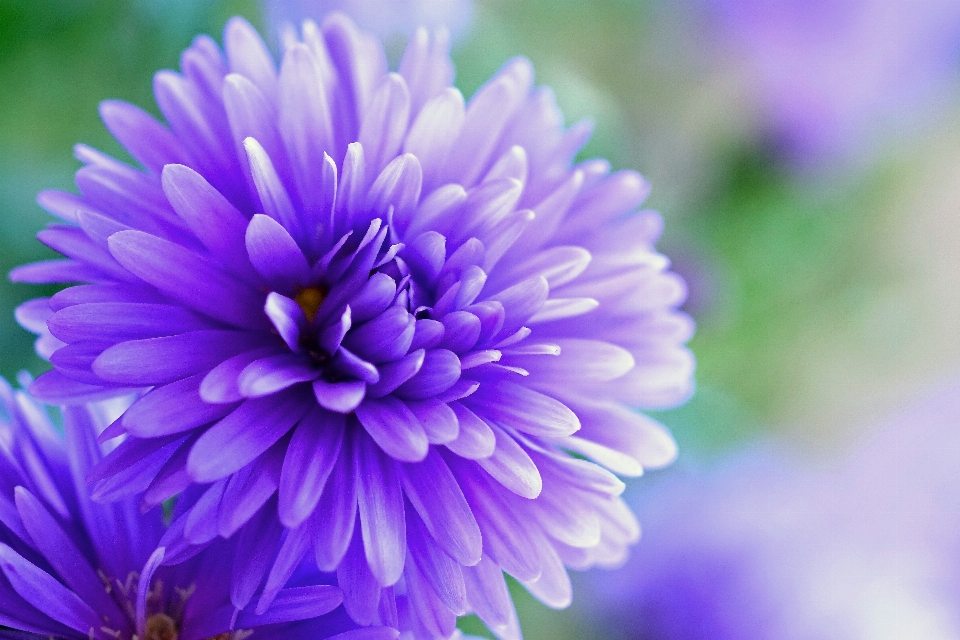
[339,397]
[45,594]
[172,408]
[332,335]
[351,195]
[91,293]
[243,435]
[431,617]
[292,550]
[273,194]
[394,428]
[361,591]
[487,113]
[438,420]
[187,277]
[380,502]
[508,541]
[617,194]
[55,545]
[348,364]
[201,523]
[512,467]
[487,593]
[274,373]
[427,334]
[119,322]
[251,115]
[385,121]
[171,479]
[131,467]
[511,164]
[644,440]
[275,255]
[386,337]
[256,548]
[440,370]
[60,204]
[435,130]
[396,373]
[426,64]
[249,489]
[553,587]
[287,318]
[561,308]
[336,513]
[579,360]
[558,265]
[310,459]
[221,384]
[32,315]
[426,254]
[475,439]
[193,124]
[306,128]
[151,143]
[75,243]
[248,55]
[441,571]
[521,301]
[461,331]
[374,298]
[397,189]
[368,633]
[162,360]
[297,603]
[526,410]
[210,216]
[436,496]
[75,361]
[57,271]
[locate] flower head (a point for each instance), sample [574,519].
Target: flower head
[73,568]
[361,308]
[765,546]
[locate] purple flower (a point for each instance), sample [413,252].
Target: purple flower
[765,546]
[380,317]
[73,568]
[833,75]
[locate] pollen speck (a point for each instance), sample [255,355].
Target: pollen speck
[310,299]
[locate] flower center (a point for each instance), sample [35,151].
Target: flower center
[310,299]
[160,626]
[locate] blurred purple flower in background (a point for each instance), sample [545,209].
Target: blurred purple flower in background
[765,546]
[386,18]
[369,319]
[833,77]
[74,568]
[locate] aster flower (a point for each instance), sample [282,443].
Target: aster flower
[383,318]
[767,546]
[73,568]
[833,75]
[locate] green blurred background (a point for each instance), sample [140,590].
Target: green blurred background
[823,298]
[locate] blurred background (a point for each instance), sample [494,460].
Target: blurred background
[805,155]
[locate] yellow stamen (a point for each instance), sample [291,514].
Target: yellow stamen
[160,626]
[310,299]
